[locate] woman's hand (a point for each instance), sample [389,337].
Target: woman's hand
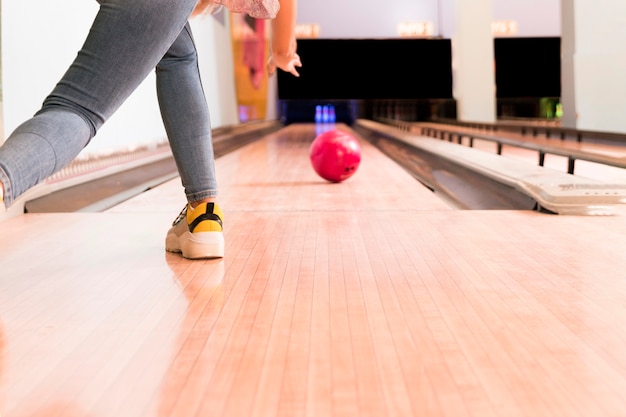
[287,63]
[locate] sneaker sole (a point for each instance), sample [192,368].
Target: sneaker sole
[200,245]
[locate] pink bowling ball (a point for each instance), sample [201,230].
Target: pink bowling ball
[335,155]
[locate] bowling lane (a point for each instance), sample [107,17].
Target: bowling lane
[275,174]
[368,297]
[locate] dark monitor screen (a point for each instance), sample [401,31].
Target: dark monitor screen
[528,67]
[336,69]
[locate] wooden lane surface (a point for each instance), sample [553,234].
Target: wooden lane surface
[332,303]
[276,175]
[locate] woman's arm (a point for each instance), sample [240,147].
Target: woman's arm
[283,46]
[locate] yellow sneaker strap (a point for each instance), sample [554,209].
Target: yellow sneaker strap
[208,215]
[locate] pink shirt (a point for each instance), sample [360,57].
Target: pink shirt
[259,9]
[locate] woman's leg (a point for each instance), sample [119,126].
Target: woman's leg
[127,40]
[197,231]
[38,148]
[185,114]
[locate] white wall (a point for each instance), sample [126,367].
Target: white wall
[213,40]
[594,64]
[472,61]
[533,17]
[40,39]
[376,19]
[364,18]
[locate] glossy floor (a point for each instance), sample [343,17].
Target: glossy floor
[367,297]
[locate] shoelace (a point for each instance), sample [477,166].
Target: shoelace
[181,216]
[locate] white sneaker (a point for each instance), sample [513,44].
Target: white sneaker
[197,233]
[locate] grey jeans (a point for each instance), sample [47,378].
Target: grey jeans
[128,40]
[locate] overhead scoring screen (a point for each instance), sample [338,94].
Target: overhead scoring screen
[370,69]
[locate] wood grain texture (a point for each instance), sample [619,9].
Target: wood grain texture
[365,298]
